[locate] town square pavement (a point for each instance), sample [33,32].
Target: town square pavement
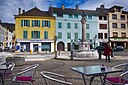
[62,66]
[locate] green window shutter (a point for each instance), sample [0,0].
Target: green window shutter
[22,22]
[49,24]
[28,23]
[32,23]
[43,22]
[47,34]
[32,34]
[38,34]
[38,23]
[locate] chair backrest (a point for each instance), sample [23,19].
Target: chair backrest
[123,66]
[53,77]
[124,76]
[11,64]
[28,71]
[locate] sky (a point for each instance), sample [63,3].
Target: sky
[9,8]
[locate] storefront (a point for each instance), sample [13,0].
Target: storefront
[35,45]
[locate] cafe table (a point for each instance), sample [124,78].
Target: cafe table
[95,71]
[4,67]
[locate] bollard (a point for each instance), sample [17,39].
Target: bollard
[30,51]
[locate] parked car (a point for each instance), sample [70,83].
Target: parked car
[118,48]
[0,49]
[100,49]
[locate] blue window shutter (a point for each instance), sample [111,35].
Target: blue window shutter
[43,23]
[32,23]
[49,24]
[38,23]
[22,22]
[28,23]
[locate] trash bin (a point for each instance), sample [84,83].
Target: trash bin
[30,51]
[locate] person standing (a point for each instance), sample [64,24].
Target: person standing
[107,51]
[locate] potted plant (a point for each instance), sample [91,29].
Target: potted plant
[18,60]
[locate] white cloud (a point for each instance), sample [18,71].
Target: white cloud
[93,4]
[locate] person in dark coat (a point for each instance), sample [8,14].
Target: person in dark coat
[107,51]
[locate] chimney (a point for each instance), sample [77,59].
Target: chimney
[77,7]
[23,11]
[50,9]
[102,6]
[62,6]
[19,11]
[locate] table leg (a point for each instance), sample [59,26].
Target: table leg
[103,80]
[91,80]
[84,80]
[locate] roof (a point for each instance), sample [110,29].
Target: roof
[66,11]
[36,12]
[9,26]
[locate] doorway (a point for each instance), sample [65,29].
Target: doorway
[35,47]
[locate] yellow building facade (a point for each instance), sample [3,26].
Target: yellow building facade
[35,31]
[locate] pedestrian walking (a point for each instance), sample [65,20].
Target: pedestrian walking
[107,51]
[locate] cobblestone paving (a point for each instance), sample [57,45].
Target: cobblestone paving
[63,67]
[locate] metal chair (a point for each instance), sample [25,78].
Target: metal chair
[54,77]
[122,78]
[7,73]
[26,75]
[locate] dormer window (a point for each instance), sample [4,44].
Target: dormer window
[114,16]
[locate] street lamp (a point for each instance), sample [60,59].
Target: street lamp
[94,40]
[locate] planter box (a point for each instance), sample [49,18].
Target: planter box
[17,60]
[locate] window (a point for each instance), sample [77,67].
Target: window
[122,17]
[59,35]
[115,34]
[105,17]
[103,26]
[46,23]
[100,17]
[35,23]
[25,34]
[68,25]
[123,34]
[59,25]
[87,36]
[76,25]
[76,16]
[100,35]
[36,34]
[122,25]
[70,16]
[114,25]
[59,15]
[76,35]
[114,16]
[105,35]
[25,23]
[68,35]
[87,26]
[89,17]
[45,35]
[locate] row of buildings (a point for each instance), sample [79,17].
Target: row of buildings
[38,30]
[7,36]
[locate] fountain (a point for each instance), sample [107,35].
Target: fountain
[84,46]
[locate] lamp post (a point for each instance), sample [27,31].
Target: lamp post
[94,40]
[55,39]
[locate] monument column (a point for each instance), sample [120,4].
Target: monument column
[83,22]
